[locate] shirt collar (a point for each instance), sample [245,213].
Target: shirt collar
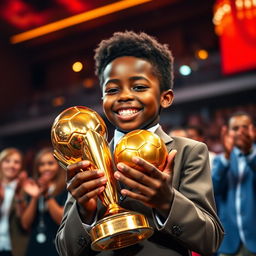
[238,152]
[12,184]
[118,135]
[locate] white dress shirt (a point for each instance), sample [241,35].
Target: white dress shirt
[118,135]
[9,192]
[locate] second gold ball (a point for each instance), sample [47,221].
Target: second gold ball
[144,144]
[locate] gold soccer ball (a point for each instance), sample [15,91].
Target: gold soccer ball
[69,129]
[144,144]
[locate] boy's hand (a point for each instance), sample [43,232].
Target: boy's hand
[85,185]
[152,187]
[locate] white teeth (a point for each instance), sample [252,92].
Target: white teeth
[127,112]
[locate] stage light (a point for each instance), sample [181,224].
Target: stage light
[235,23]
[185,70]
[58,101]
[202,54]
[77,66]
[88,83]
[76,19]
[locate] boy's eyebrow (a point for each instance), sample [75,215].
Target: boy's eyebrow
[115,81]
[134,78]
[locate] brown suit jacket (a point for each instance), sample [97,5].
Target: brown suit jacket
[192,224]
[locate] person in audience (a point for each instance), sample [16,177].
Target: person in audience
[178,131]
[196,133]
[234,180]
[13,238]
[44,210]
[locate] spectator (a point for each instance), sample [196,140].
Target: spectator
[45,208]
[234,180]
[178,131]
[13,238]
[196,133]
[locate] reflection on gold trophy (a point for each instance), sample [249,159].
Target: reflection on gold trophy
[79,133]
[144,144]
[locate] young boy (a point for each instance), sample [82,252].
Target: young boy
[135,73]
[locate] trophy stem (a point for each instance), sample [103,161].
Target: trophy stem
[119,227]
[113,209]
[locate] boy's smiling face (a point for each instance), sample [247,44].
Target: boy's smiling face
[131,94]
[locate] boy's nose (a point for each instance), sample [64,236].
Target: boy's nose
[125,95]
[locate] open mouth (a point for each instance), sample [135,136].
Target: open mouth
[127,113]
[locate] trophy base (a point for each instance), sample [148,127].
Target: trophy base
[120,230]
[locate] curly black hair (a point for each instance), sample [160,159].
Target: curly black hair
[139,45]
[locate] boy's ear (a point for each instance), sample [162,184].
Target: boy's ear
[166,98]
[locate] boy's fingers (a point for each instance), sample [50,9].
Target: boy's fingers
[139,180]
[75,168]
[170,162]
[86,188]
[148,168]
[88,196]
[86,176]
[138,184]
[134,195]
[79,165]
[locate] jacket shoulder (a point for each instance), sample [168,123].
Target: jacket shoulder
[186,142]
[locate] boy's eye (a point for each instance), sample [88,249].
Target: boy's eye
[111,91]
[140,87]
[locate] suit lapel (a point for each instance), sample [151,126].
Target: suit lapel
[166,138]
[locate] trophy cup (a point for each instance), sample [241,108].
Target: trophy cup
[79,133]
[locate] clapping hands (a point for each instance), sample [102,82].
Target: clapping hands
[36,188]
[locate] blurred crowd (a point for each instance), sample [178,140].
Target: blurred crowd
[211,125]
[233,172]
[31,206]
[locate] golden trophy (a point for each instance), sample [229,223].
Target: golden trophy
[79,133]
[144,144]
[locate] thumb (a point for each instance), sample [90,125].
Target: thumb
[170,162]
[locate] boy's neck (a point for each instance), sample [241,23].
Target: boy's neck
[152,129]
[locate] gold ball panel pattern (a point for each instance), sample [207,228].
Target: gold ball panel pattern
[69,129]
[144,144]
